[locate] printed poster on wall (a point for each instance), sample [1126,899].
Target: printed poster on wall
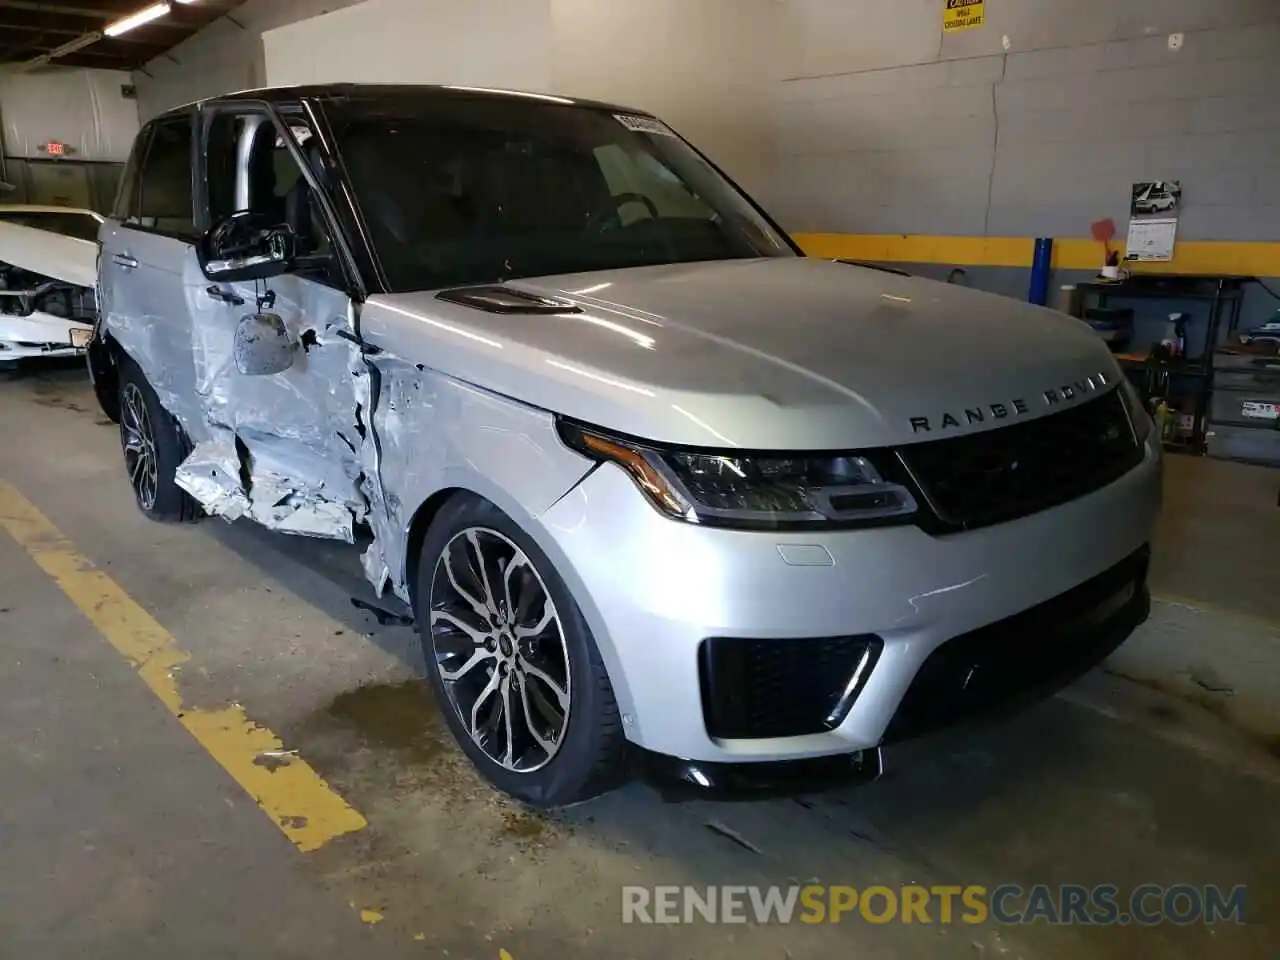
[963,15]
[1153,220]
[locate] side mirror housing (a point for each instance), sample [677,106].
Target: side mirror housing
[263,346]
[242,248]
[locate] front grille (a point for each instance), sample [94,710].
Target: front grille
[754,688]
[1027,656]
[1010,472]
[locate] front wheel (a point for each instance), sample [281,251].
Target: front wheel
[513,664]
[154,447]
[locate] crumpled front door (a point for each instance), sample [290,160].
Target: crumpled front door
[281,448]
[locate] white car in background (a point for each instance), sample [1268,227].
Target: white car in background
[48,273]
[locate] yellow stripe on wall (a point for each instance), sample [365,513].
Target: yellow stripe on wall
[1192,256]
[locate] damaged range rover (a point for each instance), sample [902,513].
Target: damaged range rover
[664,494]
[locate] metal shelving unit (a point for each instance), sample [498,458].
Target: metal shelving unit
[1182,378]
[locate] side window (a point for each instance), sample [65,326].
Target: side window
[165,201]
[251,168]
[126,205]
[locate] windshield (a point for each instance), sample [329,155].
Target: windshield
[82,226]
[481,189]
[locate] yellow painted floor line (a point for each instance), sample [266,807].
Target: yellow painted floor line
[305,807]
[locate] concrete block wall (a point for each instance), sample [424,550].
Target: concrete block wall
[887,126]
[709,67]
[223,57]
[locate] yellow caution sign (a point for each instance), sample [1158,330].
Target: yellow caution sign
[963,15]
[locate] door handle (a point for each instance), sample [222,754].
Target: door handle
[126,261]
[226,296]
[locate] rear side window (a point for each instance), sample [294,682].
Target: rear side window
[164,187]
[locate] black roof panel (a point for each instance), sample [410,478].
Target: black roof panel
[395,91]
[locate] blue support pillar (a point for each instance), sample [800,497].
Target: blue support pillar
[1039,293]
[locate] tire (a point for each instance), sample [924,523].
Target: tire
[154,446]
[104,375]
[537,674]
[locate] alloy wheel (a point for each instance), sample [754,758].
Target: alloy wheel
[500,649]
[139,446]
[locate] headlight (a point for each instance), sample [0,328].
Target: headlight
[772,491]
[1137,410]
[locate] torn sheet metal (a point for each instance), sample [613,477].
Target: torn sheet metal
[275,496]
[366,382]
[405,427]
[429,432]
[291,493]
[280,504]
[281,449]
[342,438]
[211,475]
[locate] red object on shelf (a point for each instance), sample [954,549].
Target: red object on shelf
[1104,232]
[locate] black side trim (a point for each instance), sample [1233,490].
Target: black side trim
[678,779]
[883,268]
[498,299]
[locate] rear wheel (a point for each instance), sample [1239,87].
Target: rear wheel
[513,664]
[154,447]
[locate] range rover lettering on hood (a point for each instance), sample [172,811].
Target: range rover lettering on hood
[1019,407]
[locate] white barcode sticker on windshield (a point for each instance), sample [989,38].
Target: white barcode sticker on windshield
[644,125]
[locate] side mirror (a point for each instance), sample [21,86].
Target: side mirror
[263,346]
[242,248]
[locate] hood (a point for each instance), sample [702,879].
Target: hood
[790,353]
[50,254]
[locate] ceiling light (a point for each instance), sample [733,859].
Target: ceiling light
[153,12]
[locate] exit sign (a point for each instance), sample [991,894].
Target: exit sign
[55,148]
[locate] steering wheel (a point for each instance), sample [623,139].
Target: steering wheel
[600,221]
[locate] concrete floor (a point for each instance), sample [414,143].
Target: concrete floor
[122,837]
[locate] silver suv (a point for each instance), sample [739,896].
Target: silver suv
[661,492]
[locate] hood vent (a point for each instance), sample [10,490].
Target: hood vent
[499,299]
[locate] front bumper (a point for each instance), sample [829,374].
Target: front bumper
[40,335]
[653,590]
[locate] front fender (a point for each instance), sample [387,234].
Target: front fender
[436,433]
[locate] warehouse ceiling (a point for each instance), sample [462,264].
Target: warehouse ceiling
[30,30]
